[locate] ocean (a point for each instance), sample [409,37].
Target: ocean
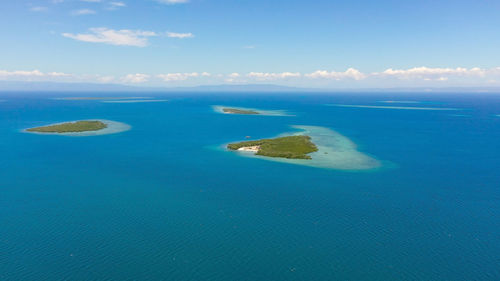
[165,200]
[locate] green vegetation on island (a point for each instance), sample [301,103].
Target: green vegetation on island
[71,127]
[291,147]
[239,111]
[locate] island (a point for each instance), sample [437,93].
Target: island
[238,111]
[234,110]
[289,147]
[312,146]
[71,127]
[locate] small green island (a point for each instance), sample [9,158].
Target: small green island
[70,127]
[290,147]
[238,111]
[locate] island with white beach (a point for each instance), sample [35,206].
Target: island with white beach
[312,146]
[290,147]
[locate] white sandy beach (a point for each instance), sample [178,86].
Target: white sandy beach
[250,148]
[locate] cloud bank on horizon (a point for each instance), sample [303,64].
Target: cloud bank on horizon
[300,43]
[413,76]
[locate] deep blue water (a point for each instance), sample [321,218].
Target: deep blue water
[164,202]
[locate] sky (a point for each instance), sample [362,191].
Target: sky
[314,43]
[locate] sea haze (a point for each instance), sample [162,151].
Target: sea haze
[165,201]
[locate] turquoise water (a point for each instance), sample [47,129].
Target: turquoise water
[162,201]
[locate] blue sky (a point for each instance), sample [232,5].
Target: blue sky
[357,43]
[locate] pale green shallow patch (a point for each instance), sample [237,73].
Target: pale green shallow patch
[335,151]
[393,107]
[113,127]
[99,98]
[401,101]
[132,101]
[219,109]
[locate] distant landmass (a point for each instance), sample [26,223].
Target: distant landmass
[6,86]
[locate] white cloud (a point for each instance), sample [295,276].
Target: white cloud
[169,77]
[135,78]
[39,9]
[58,74]
[39,76]
[123,37]
[5,73]
[273,76]
[234,77]
[82,12]
[350,73]
[180,35]
[173,1]
[412,74]
[30,75]
[438,74]
[91,1]
[420,76]
[105,79]
[117,4]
